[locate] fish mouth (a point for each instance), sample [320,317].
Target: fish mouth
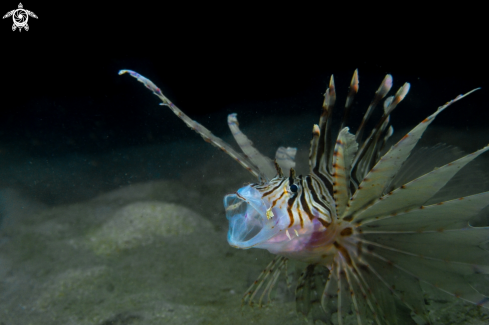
[249,225]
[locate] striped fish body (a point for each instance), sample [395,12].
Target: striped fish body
[369,228]
[286,217]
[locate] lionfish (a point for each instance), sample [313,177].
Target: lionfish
[361,224]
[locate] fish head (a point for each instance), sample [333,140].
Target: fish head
[270,216]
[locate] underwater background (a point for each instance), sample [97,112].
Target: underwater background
[111,208]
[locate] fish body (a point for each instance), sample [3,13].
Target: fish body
[367,230]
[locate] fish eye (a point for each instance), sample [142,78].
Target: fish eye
[293,188]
